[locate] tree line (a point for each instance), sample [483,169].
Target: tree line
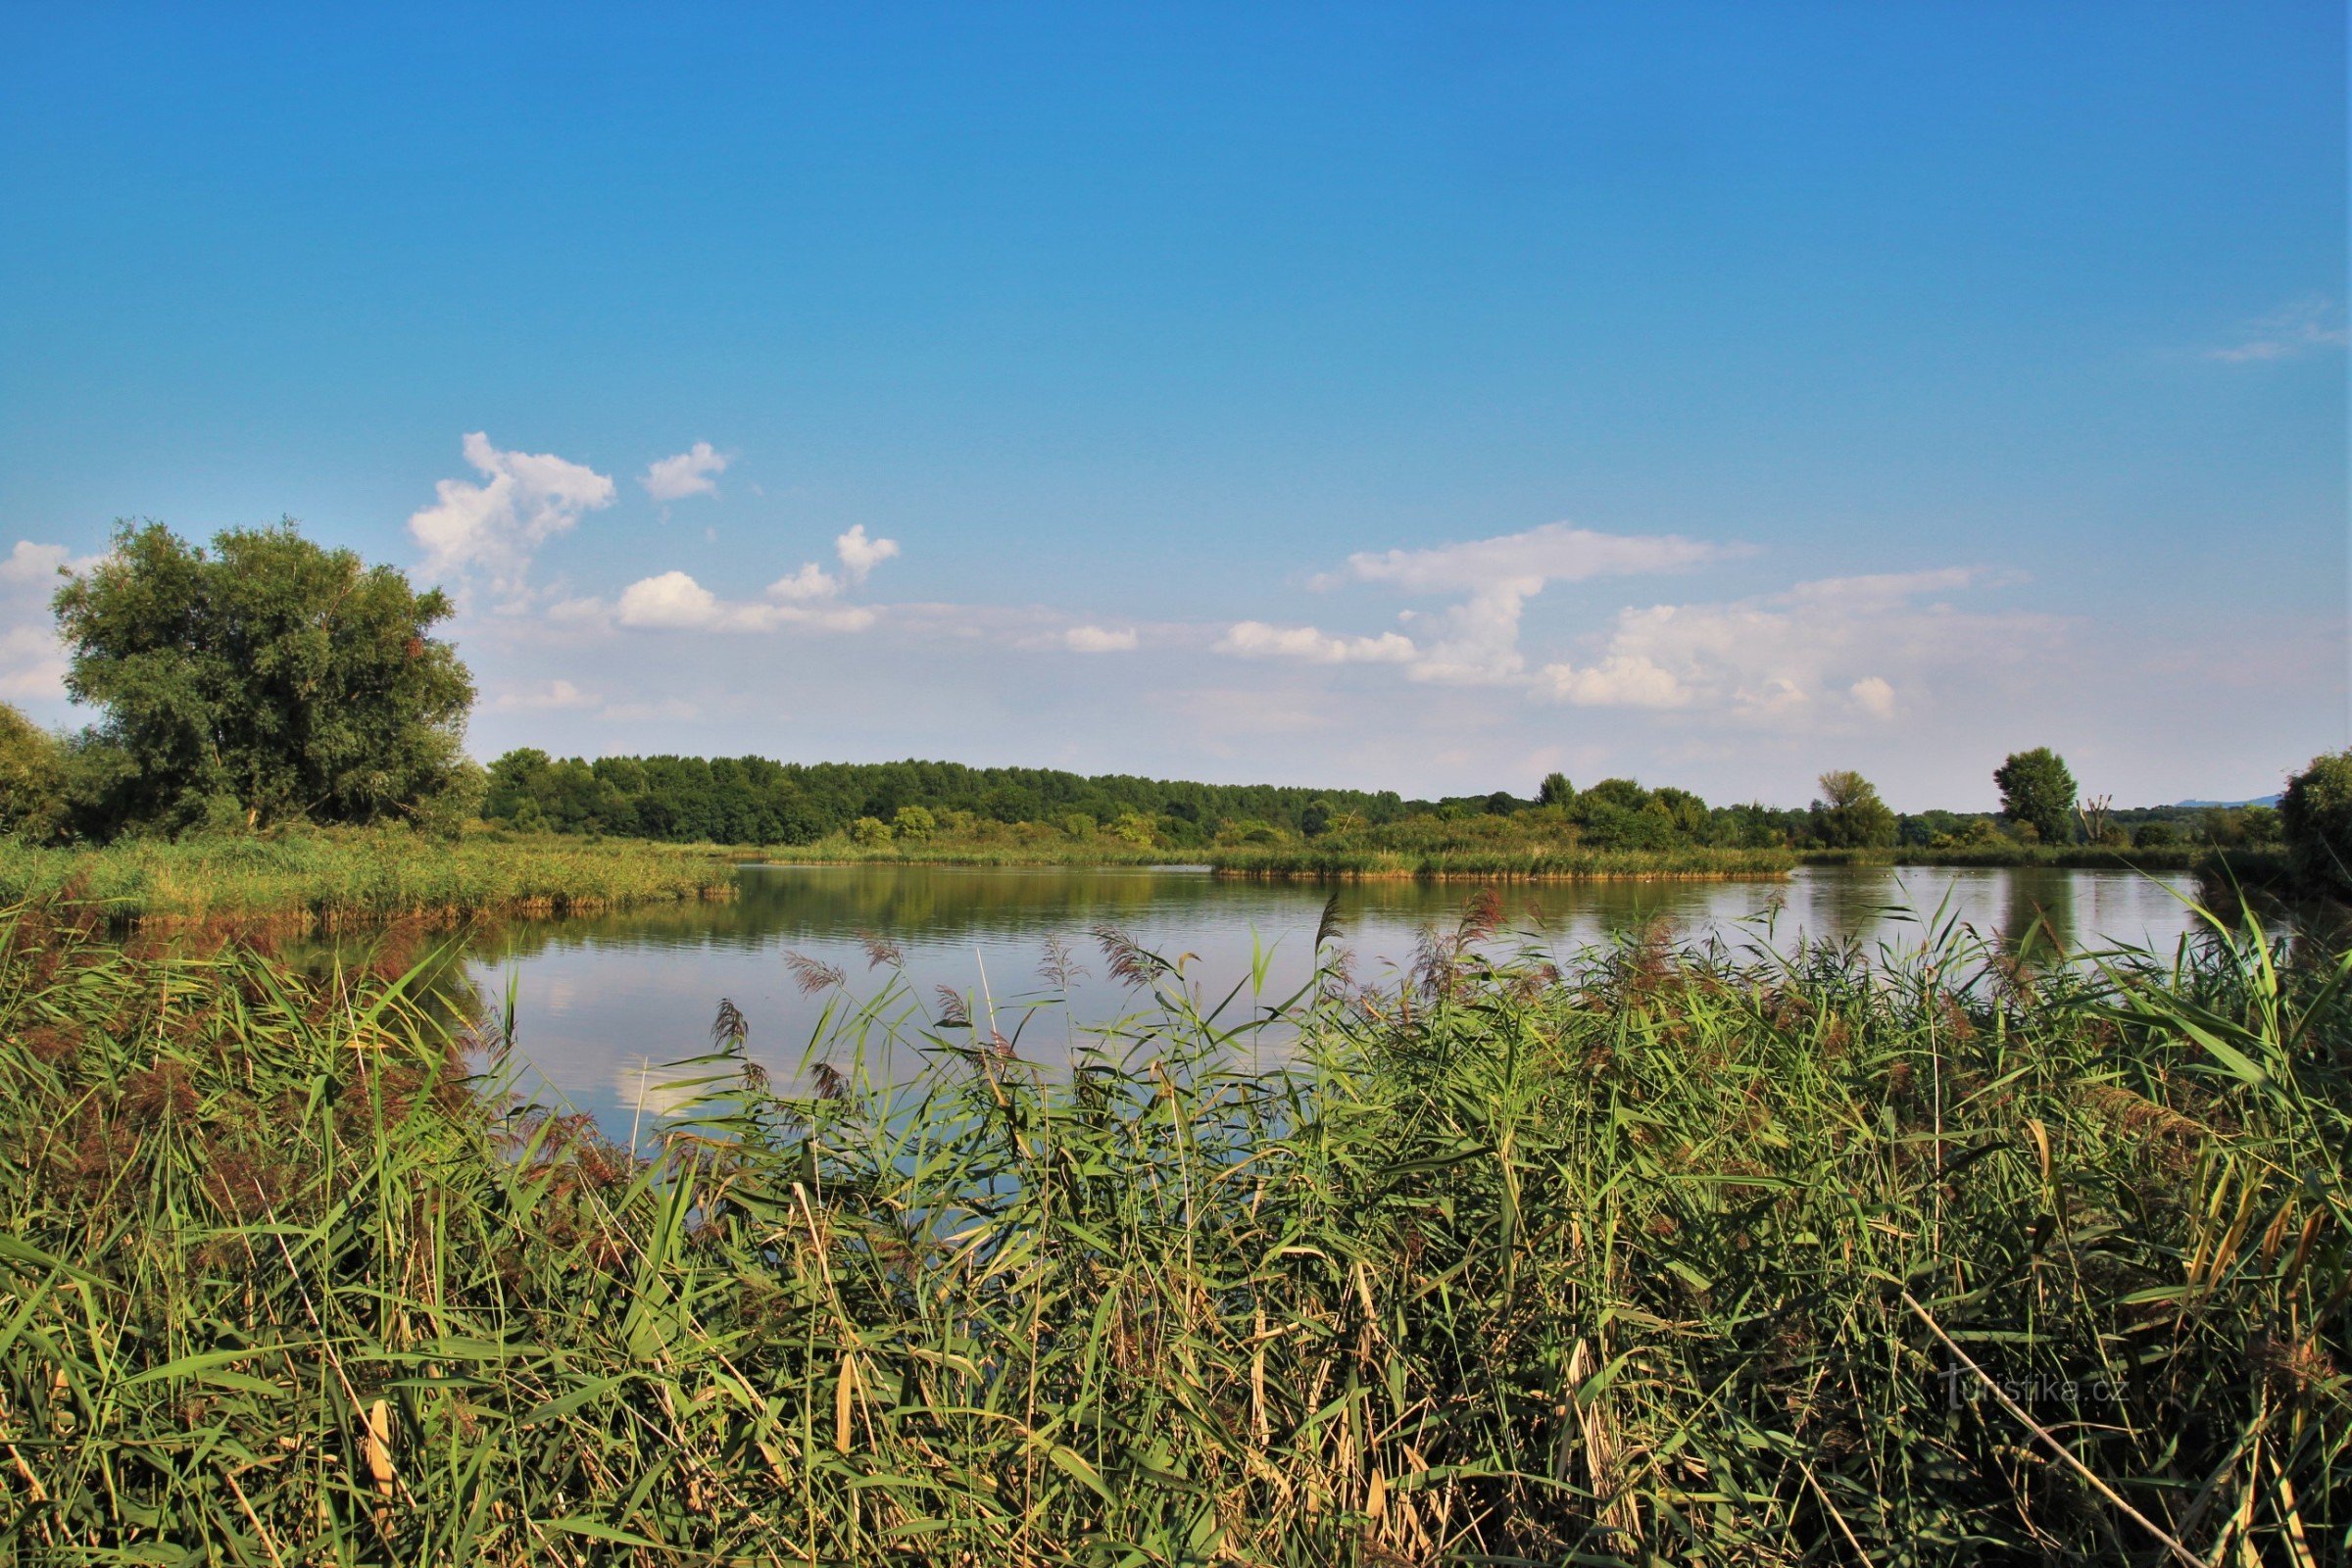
[267,681]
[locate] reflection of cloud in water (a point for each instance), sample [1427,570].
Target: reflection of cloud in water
[644,1086]
[603,1001]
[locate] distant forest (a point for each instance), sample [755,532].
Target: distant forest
[755,800]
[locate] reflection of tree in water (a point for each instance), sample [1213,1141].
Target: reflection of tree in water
[435,959]
[917,905]
[2038,920]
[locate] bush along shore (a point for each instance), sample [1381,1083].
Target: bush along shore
[1652,1255]
[332,879]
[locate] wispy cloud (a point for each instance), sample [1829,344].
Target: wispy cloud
[495,527]
[2308,325]
[692,472]
[1556,552]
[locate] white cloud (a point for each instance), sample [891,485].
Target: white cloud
[33,662]
[36,566]
[811,582]
[675,602]
[1098,640]
[1255,639]
[1818,652]
[555,694]
[860,554]
[1620,680]
[2307,325]
[692,472]
[496,526]
[32,665]
[1873,696]
[1475,641]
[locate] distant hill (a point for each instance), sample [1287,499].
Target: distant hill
[2198,805]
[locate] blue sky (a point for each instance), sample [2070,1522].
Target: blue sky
[1412,396]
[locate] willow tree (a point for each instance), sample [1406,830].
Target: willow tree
[263,680]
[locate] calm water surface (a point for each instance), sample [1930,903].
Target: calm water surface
[602,1002]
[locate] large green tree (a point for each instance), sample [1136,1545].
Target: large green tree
[1849,815]
[2038,791]
[266,679]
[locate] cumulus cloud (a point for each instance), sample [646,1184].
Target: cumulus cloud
[2307,326]
[33,565]
[1255,639]
[675,602]
[1621,680]
[496,526]
[1830,650]
[33,662]
[694,472]
[860,554]
[1476,641]
[1098,640]
[1873,695]
[807,597]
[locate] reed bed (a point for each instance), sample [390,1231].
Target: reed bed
[330,879]
[1644,1254]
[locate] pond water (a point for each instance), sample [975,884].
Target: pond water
[602,1002]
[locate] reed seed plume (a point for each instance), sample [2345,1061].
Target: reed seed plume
[880,950]
[812,974]
[1060,968]
[1131,965]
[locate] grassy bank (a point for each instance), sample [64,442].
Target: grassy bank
[334,878]
[1442,858]
[1344,862]
[1043,849]
[1659,1260]
[2247,864]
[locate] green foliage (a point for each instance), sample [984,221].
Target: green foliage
[913,822]
[348,876]
[1658,1259]
[32,779]
[264,680]
[2316,819]
[1849,815]
[871,831]
[1555,789]
[2037,790]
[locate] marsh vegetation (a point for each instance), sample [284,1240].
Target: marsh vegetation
[1655,1252]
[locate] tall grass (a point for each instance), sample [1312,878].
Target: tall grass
[1657,1256]
[334,878]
